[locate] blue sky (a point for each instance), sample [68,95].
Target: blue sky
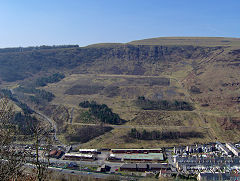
[83,22]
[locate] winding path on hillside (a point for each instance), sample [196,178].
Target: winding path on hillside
[210,130]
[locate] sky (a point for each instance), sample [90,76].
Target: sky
[83,22]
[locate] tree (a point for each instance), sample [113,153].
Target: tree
[42,139]
[11,162]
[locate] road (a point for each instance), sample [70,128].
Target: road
[93,174]
[86,173]
[71,115]
[50,121]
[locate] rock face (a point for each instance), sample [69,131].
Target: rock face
[21,65]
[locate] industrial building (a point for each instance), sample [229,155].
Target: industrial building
[131,151]
[150,157]
[79,156]
[232,148]
[143,167]
[90,151]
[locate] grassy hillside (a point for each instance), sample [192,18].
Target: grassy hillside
[203,72]
[194,41]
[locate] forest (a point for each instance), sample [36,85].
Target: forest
[39,94]
[102,112]
[162,135]
[166,105]
[7,93]
[43,81]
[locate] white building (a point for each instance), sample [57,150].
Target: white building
[233,149]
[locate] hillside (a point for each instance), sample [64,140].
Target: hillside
[171,84]
[194,41]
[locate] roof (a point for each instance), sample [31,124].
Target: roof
[150,156]
[53,152]
[142,165]
[79,155]
[215,176]
[150,149]
[232,147]
[130,165]
[88,150]
[158,165]
[59,153]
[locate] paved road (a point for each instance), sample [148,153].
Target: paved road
[101,160]
[50,121]
[93,174]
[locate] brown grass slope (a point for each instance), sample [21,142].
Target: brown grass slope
[202,71]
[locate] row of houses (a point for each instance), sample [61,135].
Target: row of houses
[222,148]
[233,149]
[229,149]
[192,164]
[218,176]
[195,149]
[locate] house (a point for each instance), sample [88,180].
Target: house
[56,154]
[232,148]
[165,173]
[222,148]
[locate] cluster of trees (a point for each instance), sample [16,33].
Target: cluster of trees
[43,81]
[8,94]
[176,105]
[102,112]
[40,94]
[162,135]
[86,133]
[195,90]
[43,47]
[12,161]
[23,122]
